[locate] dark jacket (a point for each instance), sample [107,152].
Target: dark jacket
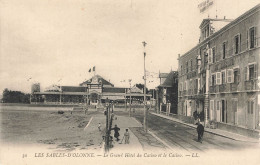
[200,128]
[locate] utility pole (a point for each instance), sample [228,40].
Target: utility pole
[130,103]
[145,109]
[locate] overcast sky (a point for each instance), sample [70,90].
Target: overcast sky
[49,40]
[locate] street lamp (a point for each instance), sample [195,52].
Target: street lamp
[145,110]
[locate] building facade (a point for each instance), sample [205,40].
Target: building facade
[168,93]
[91,92]
[219,78]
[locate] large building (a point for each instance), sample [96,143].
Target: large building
[219,77]
[91,92]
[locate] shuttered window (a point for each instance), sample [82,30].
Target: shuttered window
[230,76]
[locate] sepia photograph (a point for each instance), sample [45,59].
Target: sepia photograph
[129,82]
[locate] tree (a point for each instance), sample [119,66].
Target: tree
[15,97]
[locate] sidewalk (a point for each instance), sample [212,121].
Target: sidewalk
[123,123]
[218,132]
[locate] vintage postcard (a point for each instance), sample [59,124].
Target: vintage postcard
[129,82]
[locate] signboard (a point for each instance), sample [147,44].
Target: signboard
[203,6]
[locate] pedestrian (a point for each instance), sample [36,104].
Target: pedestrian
[99,126]
[200,130]
[116,132]
[127,136]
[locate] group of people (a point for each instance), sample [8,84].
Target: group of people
[116,134]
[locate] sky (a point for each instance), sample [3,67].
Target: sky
[50,40]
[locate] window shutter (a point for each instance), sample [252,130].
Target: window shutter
[256,43]
[246,73]
[210,80]
[210,55]
[225,76]
[238,75]
[234,46]
[232,76]
[247,39]
[218,78]
[255,71]
[239,42]
[229,75]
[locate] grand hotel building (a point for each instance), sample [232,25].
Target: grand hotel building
[219,77]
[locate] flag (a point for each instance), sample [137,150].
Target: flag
[94,69]
[89,70]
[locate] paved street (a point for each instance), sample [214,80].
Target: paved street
[181,137]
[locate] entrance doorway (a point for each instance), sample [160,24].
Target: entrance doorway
[223,111]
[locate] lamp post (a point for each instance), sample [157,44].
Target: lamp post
[130,103]
[145,110]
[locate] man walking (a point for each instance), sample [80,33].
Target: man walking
[200,130]
[127,136]
[116,132]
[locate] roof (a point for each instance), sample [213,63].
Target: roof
[135,89]
[99,79]
[114,90]
[220,31]
[205,21]
[163,75]
[73,89]
[169,81]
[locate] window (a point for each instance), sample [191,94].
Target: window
[252,39]
[181,69]
[184,86]
[213,79]
[251,72]
[224,49]
[237,43]
[218,105]
[250,107]
[223,76]
[213,54]
[191,66]
[236,76]
[187,67]
[181,87]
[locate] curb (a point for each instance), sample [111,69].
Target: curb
[189,125]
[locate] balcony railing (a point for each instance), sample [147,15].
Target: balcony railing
[233,87]
[251,85]
[222,88]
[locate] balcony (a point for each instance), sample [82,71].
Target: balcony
[222,88]
[190,92]
[212,89]
[233,87]
[184,92]
[195,91]
[251,85]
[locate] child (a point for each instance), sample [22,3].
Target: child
[127,136]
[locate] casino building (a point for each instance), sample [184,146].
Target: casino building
[91,92]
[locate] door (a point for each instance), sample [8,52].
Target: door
[251,112]
[234,110]
[223,111]
[218,111]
